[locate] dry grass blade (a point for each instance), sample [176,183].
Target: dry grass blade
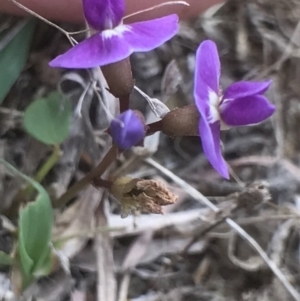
[201,198]
[137,250]
[135,253]
[2,170]
[76,219]
[252,264]
[153,222]
[78,296]
[106,284]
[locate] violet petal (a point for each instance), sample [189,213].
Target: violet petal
[103,14]
[209,126]
[245,88]
[246,111]
[210,137]
[127,130]
[147,35]
[208,65]
[99,50]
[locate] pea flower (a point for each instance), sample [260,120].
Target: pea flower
[242,103]
[127,130]
[113,40]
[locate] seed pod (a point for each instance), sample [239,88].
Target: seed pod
[119,78]
[139,195]
[182,121]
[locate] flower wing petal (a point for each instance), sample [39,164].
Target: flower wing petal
[210,137]
[246,111]
[245,89]
[127,130]
[99,50]
[103,14]
[147,35]
[208,65]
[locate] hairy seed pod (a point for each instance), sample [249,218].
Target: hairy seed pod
[119,78]
[182,121]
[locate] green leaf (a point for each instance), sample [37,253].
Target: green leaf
[44,267]
[48,119]
[26,264]
[35,227]
[14,49]
[5,259]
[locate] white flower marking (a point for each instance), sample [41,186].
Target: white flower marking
[214,102]
[117,31]
[214,109]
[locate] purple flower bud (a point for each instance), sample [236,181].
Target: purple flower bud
[127,130]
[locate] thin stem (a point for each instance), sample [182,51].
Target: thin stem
[101,183]
[152,103]
[48,165]
[27,192]
[124,103]
[108,159]
[265,257]
[154,127]
[31,12]
[201,198]
[155,7]
[78,32]
[81,99]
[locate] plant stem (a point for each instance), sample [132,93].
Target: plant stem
[154,127]
[27,193]
[108,159]
[44,170]
[101,183]
[124,103]
[48,165]
[58,242]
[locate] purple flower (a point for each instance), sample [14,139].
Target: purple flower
[242,103]
[127,130]
[115,41]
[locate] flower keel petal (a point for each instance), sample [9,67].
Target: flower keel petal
[210,137]
[147,35]
[246,111]
[208,65]
[103,14]
[127,130]
[244,89]
[99,50]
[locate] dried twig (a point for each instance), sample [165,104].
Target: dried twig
[221,219]
[157,7]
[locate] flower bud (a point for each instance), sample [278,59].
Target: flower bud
[128,129]
[182,121]
[139,195]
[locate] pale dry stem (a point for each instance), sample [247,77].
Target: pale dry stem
[156,7]
[201,198]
